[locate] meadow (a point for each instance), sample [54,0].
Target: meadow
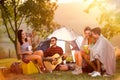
[63,75]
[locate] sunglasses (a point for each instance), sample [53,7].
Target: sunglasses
[53,40]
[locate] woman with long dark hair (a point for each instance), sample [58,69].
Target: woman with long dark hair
[25,50]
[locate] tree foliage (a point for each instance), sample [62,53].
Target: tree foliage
[109,18]
[39,15]
[11,19]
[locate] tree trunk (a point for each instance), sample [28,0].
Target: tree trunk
[17,55]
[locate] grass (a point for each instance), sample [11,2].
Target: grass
[66,75]
[7,62]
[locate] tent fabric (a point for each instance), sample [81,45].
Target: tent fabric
[64,34]
[79,41]
[67,40]
[61,44]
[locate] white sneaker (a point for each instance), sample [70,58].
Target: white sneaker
[95,74]
[77,72]
[91,73]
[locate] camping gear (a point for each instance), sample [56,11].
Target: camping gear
[43,45]
[29,68]
[68,40]
[64,34]
[16,68]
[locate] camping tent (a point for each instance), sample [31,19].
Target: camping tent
[64,34]
[68,40]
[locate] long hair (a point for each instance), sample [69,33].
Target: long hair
[90,38]
[20,36]
[87,28]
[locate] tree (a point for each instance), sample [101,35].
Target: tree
[111,26]
[109,18]
[11,19]
[39,15]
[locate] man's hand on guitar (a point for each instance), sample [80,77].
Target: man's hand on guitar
[55,61]
[64,56]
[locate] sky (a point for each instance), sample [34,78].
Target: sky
[70,14]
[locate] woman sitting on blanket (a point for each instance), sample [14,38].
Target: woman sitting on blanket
[25,50]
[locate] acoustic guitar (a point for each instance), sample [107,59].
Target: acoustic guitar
[51,62]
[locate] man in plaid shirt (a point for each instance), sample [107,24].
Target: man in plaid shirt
[54,49]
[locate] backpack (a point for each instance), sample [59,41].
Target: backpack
[16,68]
[43,45]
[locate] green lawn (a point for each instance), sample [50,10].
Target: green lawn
[7,62]
[67,75]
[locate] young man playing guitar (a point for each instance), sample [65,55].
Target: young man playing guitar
[53,56]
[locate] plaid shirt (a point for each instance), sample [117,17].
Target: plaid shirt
[53,50]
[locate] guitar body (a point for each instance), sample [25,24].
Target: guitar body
[52,65]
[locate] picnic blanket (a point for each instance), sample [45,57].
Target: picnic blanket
[104,51]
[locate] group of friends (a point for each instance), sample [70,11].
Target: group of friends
[96,50]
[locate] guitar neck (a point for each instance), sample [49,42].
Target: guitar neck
[47,59]
[51,58]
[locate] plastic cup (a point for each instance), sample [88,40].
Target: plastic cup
[29,48]
[86,49]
